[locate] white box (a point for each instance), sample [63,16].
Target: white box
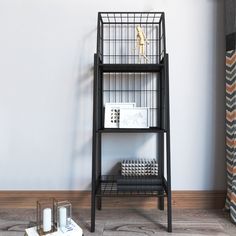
[76,231]
[136,117]
[112,113]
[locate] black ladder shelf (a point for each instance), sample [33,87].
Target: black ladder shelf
[122,75]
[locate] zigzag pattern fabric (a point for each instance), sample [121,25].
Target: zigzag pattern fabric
[231,132]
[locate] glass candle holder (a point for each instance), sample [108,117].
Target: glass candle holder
[46,216]
[63,214]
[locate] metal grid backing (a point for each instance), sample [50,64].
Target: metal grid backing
[140,88]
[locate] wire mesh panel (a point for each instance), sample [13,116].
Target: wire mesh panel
[143,89]
[131,38]
[108,188]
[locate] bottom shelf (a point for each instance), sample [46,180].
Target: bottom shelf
[107,187]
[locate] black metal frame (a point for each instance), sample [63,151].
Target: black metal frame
[119,66]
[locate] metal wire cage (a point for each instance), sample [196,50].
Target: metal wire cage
[117,37]
[143,89]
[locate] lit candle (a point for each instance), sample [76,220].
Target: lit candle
[62,216]
[47,216]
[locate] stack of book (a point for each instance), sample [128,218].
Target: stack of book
[147,183]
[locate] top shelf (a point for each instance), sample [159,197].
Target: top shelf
[130,17]
[129,38]
[131,67]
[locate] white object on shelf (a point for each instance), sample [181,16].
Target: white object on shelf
[62,217]
[112,113]
[136,117]
[74,230]
[47,219]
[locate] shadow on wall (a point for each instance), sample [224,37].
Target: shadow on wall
[82,125]
[81,154]
[218,98]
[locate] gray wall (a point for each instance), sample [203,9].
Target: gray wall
[230,7]
[46,76]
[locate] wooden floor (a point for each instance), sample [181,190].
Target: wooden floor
[129,222]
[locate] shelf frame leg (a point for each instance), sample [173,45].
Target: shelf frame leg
[93,194]
[99,198]
[160,146]
[93,212]
[169,203]
[94,145]
[161,165]
[168,154]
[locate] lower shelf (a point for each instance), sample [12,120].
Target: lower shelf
[107,187]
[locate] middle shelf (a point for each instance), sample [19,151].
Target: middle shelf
[138,96]
[126,130]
